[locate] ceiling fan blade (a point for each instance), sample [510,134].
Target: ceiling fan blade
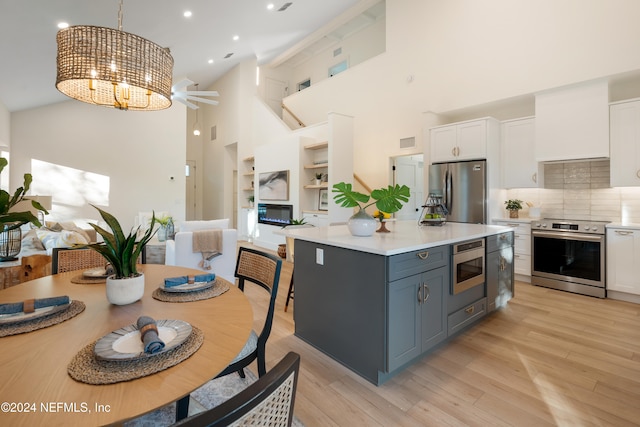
[203,100]
[182,84]
[203,92]
[187,103]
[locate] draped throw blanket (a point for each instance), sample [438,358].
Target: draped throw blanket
[209,243]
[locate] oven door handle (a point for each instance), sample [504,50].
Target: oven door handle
[567,236]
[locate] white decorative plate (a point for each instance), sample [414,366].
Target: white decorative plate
[125,343]
[188,287]
[95,273]
[40,312]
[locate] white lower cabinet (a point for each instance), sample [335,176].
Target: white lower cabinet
[521,245]
[623,261]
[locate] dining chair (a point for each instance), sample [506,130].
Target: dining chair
[262,269]
[71,259]
[34,266]
[267,402]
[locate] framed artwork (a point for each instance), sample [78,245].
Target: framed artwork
[273,185]
[323,200]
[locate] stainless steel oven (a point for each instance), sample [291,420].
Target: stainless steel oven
[569,256]
[468,265]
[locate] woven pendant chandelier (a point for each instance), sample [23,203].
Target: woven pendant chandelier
[113,68]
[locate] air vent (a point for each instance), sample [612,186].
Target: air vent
[285,7]
[408,142]
[228,55]
[337,52]
[214,132]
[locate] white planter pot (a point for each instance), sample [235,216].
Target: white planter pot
[125,291]
[362,224]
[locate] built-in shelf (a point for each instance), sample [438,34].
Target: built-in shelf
[317,166]
[248,174]
[248,189]
[317,145]
[313,186]
[248,159]
[316,212]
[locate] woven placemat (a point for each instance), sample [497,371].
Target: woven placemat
[86,368]
[218,288]
[75,308]
[81,280]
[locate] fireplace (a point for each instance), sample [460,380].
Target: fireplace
[275,214]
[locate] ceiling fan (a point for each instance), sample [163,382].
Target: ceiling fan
[180,93]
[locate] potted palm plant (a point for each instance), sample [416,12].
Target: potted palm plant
[10,221]
[387,200]
[126,284]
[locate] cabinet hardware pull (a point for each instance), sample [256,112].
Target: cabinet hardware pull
[469,310]
[623,233]
[534,177]
[453,151]
[503,237]
[513,225]
[638,173]
[420,294]
[423,255]
[427,293]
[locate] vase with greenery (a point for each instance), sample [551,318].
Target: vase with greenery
[318,178]
[10,221]
[387,200]
[165,231]
[513,206]
[126,285]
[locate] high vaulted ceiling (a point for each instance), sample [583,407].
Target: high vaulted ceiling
[28,36]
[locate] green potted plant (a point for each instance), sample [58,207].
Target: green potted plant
[126,284]
[513,206]
[387,200]
[10,221]
[251,200]
[318,177]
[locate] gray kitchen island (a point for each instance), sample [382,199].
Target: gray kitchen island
[377,304]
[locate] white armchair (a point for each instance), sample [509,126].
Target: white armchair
[180,251]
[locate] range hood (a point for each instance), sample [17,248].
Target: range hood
[573,122]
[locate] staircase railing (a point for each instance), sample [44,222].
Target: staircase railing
[285,108]
[361,182]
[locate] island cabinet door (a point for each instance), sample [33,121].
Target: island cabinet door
[417,318]
[499,278]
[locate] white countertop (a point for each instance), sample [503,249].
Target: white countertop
[626,225]
[404,236]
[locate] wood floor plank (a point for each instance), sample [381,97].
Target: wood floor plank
[548,358]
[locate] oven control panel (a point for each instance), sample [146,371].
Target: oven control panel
[575,226]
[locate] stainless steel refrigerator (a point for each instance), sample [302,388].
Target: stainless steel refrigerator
[463,188]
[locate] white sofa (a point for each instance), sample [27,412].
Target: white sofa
[180,250]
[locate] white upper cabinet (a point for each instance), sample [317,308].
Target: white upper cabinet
[625,144]
[519,166]
[461,141]
[573,123]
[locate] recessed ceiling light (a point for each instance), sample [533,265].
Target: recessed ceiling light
[270,6]
[187,14]
[62,25]
[210,61]
[236,38]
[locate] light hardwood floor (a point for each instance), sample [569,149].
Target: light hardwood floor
[550,358]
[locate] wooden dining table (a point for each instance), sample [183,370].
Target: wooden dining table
[35,388]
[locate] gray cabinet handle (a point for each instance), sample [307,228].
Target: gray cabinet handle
[469,310]
[427,293]
[423,255]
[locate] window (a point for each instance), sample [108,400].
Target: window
[338,68]
[304,84]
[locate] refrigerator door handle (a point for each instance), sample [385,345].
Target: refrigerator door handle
[447,190]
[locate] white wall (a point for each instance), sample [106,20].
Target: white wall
[448,55]
[5,126]
[137,152]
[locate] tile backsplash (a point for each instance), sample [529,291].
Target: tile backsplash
[580,190]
